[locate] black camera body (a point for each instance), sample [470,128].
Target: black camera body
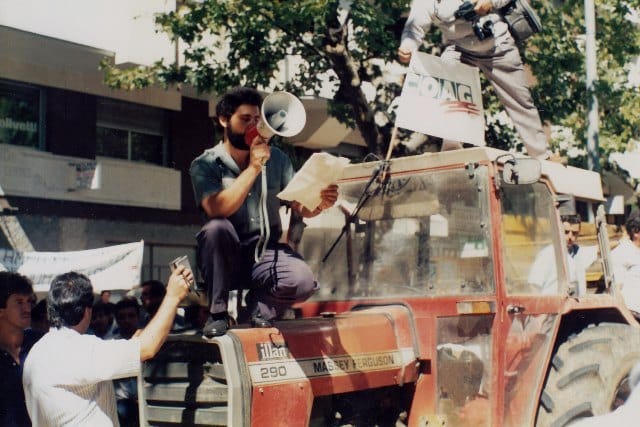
[466,11]
[482,28]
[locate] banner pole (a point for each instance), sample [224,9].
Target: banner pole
[392,142]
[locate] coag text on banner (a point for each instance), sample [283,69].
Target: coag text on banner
[442,99]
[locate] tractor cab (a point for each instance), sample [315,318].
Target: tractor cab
[446,291]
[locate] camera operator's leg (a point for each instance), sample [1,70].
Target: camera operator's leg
[506,73]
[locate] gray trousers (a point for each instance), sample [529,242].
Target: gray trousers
[504,69]
[280,279]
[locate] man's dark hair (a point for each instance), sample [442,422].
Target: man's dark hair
[69,295]
[571,219]
[231,100]
[103,307]
[127,302]
[633,223]
[13,283]
[156,288]
[39,311]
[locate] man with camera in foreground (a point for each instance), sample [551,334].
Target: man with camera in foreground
[68,374]
[475,33]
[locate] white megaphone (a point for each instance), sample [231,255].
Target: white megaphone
[281,114]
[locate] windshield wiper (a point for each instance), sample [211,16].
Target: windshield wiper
[380,176]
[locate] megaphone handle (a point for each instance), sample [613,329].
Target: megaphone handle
[265,228]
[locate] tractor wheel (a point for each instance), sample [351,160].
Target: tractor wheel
[589,374]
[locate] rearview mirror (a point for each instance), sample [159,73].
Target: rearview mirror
[524,170]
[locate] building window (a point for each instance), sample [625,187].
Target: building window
[20,115]
[131,132]
[129,145]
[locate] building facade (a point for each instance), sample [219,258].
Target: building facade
[83,166]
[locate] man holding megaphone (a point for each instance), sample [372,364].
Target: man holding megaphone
[237,207]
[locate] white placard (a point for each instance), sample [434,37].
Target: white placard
[111,267]
[319,171]
[442,99]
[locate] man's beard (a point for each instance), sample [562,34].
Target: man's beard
[237,140]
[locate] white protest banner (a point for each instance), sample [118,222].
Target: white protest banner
[111,267]
[442,99]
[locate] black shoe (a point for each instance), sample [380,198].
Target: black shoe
[257,321]
[215,327]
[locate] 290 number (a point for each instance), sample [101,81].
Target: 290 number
[273,372]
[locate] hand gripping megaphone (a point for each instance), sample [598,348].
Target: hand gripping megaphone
[281,114]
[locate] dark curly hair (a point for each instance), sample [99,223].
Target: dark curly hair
[571,219]
[13,283]
[231,100]
[127,302]
[69,295]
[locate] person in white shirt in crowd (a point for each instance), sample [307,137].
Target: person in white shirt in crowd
[544,270]
[625,260]
[580,257]
[68,375]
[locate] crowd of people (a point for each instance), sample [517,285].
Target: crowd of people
[78,365]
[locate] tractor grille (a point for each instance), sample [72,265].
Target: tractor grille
[185,384]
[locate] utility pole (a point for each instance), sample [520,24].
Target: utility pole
[593,122]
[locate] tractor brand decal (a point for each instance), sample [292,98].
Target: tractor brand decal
[271,351]
[280,369]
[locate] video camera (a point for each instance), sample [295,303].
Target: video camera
[482,28]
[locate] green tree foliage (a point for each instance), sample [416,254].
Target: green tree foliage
[556,58]
[232,42]
[256,36]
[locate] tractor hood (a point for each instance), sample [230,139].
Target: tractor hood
[290,365]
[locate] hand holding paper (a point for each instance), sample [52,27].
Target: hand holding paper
[321,170]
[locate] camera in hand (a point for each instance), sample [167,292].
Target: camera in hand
[482,26]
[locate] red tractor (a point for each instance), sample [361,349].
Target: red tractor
[446,299]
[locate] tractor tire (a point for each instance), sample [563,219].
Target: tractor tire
[589,374]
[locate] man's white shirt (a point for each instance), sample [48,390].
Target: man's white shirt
[625,259]
[68,378]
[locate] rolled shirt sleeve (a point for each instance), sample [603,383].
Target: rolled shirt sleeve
[206,177]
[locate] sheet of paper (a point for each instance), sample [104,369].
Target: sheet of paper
[318,172]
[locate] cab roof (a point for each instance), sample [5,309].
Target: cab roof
[581,183]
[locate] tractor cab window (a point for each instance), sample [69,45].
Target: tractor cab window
[424,234]
[532,251]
